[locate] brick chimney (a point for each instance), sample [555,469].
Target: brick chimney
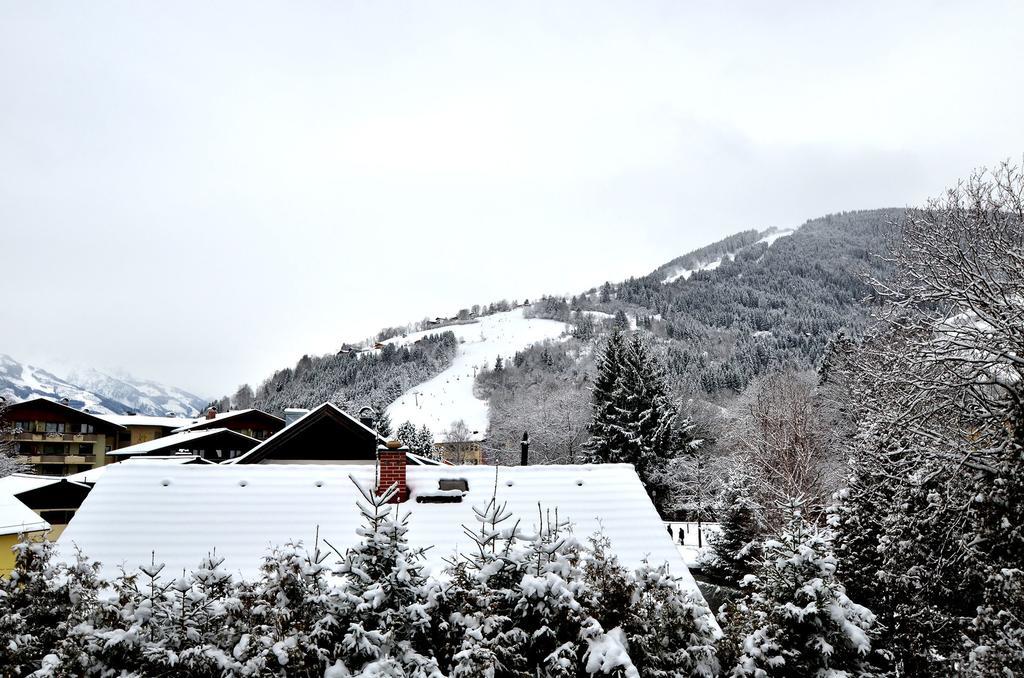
[391,458]
[211,413]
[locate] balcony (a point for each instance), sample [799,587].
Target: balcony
[28,436]
[62,459]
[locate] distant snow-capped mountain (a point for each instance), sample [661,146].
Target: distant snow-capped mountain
[141,396]
[22,381]
[95,390]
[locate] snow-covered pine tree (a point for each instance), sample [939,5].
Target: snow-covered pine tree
[796,619]
[481,636]
[40,603]
[671,632]
[645,420]
[383,421]
[424,443]
[388,633]
[605,435]
[736,550]
[291,630]
[634,416]
[406,433]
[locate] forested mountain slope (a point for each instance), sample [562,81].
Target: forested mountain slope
[774,299]
[771,302]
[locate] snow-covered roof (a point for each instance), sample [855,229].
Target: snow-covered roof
[145,420]
[202,421]
[16,518]
[173,441]
[16,483]
[184,512]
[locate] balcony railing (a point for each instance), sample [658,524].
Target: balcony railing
[62,459]
[28,436]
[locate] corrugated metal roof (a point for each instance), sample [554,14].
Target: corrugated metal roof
[185,512]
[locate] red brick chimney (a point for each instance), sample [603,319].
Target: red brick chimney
[211,413]
[391,458]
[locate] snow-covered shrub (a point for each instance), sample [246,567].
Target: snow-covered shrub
[38,603]
[796,619]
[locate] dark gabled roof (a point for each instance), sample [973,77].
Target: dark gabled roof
[64,409]
[294,432]
[218,421]
[63,494]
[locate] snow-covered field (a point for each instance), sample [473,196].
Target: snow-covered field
[449,397]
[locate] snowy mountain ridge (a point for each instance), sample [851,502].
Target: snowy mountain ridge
[94,390]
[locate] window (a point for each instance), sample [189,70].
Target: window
[53,448]
[87,428]
[85,449]
[22,426]
[54,427]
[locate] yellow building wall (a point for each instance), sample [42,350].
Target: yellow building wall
[143,434]
[7,542]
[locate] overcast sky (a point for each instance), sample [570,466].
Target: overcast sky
[199,193]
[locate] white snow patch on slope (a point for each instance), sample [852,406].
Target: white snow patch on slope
[449,397]
[775,235]
[685,273]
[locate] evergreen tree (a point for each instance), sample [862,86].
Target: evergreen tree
[633,417]
[406,433]
[383,421]
[621,321]
[424,444]
[796,619]
[737,548]
[384,581]
[604,435]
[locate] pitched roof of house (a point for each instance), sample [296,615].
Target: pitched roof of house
[184,512]
[16,518]
[95,419]
[17,483]
[146,420]
[94,474]
[295,430]
[218,421]
[177,440]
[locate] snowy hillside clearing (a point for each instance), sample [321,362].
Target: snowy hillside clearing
[771,235]
[448,397]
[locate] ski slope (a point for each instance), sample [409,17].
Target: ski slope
[449,397]
[768,236]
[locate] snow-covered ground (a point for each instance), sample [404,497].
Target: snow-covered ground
[449,397]
[685,537]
